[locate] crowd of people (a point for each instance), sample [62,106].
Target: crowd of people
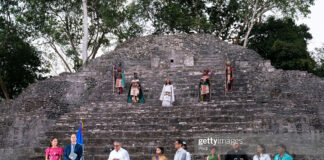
[74,151]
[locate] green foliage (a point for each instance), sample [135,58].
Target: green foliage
[319,55]
[284,43]
[184,16]
[59,22]
[20,63]
[227,19]
[319,70]
[222,18]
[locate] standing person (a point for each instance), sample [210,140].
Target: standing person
[181,153]
[167,95]
[282,153]
[114,73]
[236,153]
[120,79]
[184,146]
[204,86]
[74,150]
[118,153]
[159,154]
[135,93]
[229,76]
[261,153]
[53,152]
[213,155]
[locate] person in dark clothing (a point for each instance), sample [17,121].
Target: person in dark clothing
[236,153]
[74,150]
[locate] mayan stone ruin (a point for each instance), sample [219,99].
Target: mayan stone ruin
[264,101]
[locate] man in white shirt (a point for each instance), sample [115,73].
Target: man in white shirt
[181,153]
[184,146]
[118,153]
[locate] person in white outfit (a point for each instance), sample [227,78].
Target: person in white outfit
[167,94]
[118,153]
[261,153]
[184,146]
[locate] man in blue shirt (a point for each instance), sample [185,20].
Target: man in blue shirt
[181,153]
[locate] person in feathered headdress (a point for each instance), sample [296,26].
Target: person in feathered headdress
[135,93]
[204,86]
[120,79]
[229,76]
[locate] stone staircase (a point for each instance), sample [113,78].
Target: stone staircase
[143,127]
[253,107]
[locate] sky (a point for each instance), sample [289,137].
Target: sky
[315,21]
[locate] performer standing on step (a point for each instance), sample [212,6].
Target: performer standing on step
[204,86]
[135,93]
[229,76]
[167,95]
[120,79]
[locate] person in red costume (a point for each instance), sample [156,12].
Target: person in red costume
[229,77]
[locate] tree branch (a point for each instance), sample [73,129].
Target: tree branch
[58,53]
[67,30]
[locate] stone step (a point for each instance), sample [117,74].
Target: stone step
[178,89]
[217,95]
[197,108]
[190,112]
[167,126]
[114,112]
[205,119]
[158,134]
[189,100]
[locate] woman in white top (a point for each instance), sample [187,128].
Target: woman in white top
[167,95]
[261,153]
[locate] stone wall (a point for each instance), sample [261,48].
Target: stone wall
[262,95]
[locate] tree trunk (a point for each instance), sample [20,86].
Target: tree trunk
[4,89]
[251,24]
[85,30]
